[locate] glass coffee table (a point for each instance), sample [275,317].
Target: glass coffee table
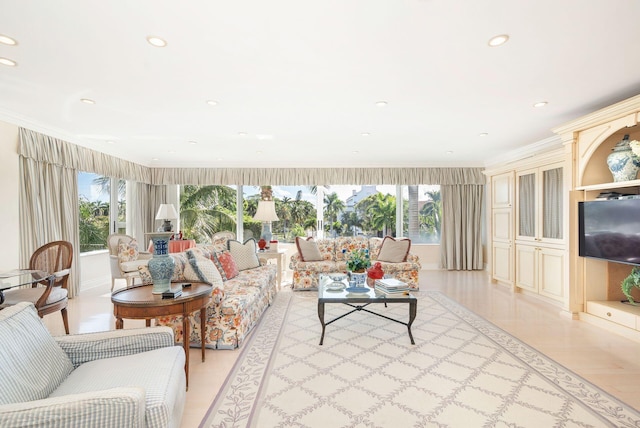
[336,290]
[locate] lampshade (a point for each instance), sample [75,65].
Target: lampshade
[266,211]
[166,211]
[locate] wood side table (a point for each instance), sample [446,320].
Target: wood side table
[139,303]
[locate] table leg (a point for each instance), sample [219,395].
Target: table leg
[279,266]
[321,316]
[119,324]
[147,321]
[185,343]
[203,314]
[413,309]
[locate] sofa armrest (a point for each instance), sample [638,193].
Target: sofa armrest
[295,258]
[82,348]
[414,259]
[116,407]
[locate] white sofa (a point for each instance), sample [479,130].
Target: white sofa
[122,378]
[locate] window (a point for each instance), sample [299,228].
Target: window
[96,195]
[318,211]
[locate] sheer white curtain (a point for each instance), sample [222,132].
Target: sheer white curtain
[148,198]
[526,204]
[461,238]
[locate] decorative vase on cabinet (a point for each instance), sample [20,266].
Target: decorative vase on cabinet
[162,264]
[622,163]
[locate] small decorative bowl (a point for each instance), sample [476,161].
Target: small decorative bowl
[337,277]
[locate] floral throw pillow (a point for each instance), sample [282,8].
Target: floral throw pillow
[226,265]
[127,251]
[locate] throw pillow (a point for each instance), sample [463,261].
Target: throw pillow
[127,251]
[226,265]
[394,250]
[245,255]
[308,250]
[201,269]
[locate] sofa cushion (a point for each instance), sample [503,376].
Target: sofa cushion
[32,364]
[244,254]
[226,265]
[308,250]
[159,372]
[127,251]
[394,250]
[202,269]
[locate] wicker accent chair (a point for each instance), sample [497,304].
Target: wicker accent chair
[48,297]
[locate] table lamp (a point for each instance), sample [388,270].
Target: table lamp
[266,213]
[167,212]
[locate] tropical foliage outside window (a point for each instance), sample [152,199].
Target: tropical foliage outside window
[348,211]
[94,195]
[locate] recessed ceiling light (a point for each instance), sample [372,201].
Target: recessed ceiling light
[212,102]
[172,151]
[193,142]
[219,159]
[449,152]
[541,104]
[381,103]
[155,159]
[242,134]
[6,40]
[355,152]
[110,142]
[156,41]
[365,134]
[87,101]
[8,62]
[498,40]
[483,134]
[259,152]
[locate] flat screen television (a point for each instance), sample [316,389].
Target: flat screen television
[610,230]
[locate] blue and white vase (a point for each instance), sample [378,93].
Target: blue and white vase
[623,164]
[161,266]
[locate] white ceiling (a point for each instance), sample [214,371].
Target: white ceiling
[301,78]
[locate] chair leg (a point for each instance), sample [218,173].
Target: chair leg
[65,320]
[113,283]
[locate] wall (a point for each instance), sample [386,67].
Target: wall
[9,195]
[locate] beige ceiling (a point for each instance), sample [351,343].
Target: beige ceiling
[301,78]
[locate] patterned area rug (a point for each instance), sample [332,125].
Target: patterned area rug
[462,372]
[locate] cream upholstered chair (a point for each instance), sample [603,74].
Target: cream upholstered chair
[127,270]
[48,297]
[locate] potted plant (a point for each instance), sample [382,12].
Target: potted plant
[630,282]
[357,263]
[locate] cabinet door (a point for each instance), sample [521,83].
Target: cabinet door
[526,212]
[551,204]
[526,267]
[501,221]
[501,260]
[502,190]
[550,268]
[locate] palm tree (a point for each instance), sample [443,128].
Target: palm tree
[333,206]
[431,213]
[351,220]
[206,209]
[383,212]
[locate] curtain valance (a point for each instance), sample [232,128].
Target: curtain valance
[45,149]
[317,176]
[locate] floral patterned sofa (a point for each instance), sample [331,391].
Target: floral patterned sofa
[305,274]
[236,304]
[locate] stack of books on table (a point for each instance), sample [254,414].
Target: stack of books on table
[391,286]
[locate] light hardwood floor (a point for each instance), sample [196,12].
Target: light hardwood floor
[603,358]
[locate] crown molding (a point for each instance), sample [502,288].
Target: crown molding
[528,151]
[598,117]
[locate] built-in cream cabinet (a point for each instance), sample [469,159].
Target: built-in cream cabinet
[528,222]
[502,228]
[540,248]
[594,285]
